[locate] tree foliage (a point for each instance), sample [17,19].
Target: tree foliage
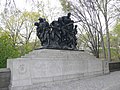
[65,5]
[115,41]
[7,49]
[17,36]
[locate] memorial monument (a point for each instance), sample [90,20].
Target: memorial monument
[60,34]
[58,60]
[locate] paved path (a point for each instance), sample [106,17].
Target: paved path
[106,82]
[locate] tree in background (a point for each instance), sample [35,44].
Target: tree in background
[94,17]
[65,5]
[115,41]
[19,24]
[47,9]
[6,49]
[18,34]
[28,31]
[21,28]
[90,24]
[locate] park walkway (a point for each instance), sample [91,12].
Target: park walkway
[105,82]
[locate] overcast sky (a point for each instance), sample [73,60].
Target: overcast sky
[55,6]
[27,5]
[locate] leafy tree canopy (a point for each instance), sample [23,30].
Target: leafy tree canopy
[6,49]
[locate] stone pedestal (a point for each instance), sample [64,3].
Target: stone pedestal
[45,65]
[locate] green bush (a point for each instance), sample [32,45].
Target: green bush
[6,49]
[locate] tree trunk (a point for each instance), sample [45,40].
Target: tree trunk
[103,46]
[108,42]
[107,33]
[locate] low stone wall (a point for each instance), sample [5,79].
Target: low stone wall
[4,79]
[114,66]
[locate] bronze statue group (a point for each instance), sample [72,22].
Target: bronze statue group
[60,34]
